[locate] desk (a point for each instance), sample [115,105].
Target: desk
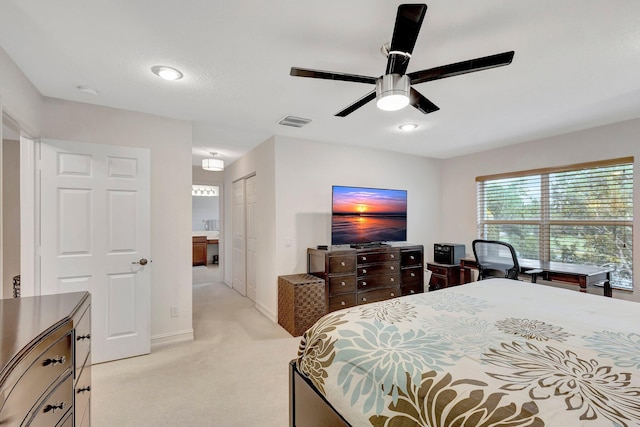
[582,275]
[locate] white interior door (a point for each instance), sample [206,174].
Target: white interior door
[95,236]
[238,276]
[252,241]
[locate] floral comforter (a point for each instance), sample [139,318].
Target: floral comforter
[492,353]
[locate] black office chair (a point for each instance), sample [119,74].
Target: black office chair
[495,259]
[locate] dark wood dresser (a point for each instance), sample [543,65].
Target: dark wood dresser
[356,276]
[45,361]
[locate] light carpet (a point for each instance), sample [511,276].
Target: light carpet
[235,372]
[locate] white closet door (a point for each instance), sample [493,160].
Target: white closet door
[238,277]
[252,240]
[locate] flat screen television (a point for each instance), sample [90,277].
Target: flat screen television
[361,215]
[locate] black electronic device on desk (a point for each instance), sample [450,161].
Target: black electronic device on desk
[448,253]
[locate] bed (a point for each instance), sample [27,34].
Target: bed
[492,353]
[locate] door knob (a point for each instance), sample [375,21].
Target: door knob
[143,261]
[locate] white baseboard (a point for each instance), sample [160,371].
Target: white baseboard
[171,338]
[268,313]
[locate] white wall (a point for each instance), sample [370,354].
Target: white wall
[294,200]
[606,142]
[170,144]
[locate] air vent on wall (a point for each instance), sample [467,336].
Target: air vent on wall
[296,122]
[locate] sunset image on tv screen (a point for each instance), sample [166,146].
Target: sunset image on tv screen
[364,215]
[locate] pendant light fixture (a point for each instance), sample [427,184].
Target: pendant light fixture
[213,164]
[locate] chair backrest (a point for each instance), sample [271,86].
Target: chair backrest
[495,259]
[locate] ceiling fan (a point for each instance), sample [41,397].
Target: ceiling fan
[394,89]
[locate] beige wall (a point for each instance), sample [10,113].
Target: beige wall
[170,144]
[294,200]
[606,142]
[10,214]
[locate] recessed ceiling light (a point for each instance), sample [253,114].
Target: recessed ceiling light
[87,90]
[408,127]
[166,73]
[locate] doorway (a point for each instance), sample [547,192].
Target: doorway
[206,227]
[10,208]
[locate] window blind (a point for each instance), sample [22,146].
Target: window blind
[581,214]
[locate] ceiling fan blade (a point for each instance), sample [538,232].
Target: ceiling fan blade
[462,67]
[329,75]
[421,103]
[405,33]
[359,103]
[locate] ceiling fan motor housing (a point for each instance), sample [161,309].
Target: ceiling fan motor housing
[392,92]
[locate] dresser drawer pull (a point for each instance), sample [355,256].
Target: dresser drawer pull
[412,291]
[364,300]
[343,284]
[83,337]
[392,267]
[364,283]
[342,263]
[391,279]
[393,256]
[364,271]
[411,257]
[413,274]
[364,258]
[343,303]
[52,408]
[392,294]
[83,389]
[54,361]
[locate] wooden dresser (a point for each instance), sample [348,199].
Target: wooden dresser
[365,275]
[443,275]
[45,361]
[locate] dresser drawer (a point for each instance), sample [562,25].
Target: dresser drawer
[411,258]
[342,301]
[82,394]
[412,276]
[436,269]
[34,375]
[387,267]
[373,257]
[342,284]
[342,264]
[411,289]
[378,295]
[54,407]
[82,339]
[438,282]
[379,280]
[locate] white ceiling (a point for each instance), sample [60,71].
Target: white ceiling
[576,65]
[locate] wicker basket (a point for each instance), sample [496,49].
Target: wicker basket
[300,302]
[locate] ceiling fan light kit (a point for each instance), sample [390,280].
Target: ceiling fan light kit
[394,89]
[392,92]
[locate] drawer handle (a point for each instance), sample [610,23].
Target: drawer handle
[52,408]
[364,271]
[83,389]
[342,263]
[412,257]
[412,291]
[413,274]
[364,258]
[392,279]
[364,300]
[343,284]
[392,267]
[393,256]
[53,361]
[364,283]
[343,303]
[83,337]
[392,294]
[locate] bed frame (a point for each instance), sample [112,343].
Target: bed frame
[307,407]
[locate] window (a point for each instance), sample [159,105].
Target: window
[579,214]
